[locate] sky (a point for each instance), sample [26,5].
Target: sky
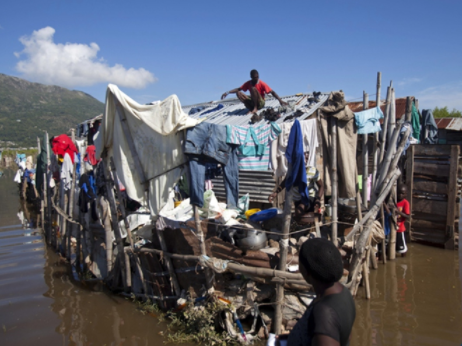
[200,49]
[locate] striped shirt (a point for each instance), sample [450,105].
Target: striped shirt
[265,134]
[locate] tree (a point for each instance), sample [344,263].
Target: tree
[444,113]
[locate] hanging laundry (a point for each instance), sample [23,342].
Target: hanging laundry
[429,133]
[264,134]
[296,160]
[368,121]
[205,143]
[404,127]
[90,155]
[336,107]
[42,162]
[279,146]
[66,172]
[62,144]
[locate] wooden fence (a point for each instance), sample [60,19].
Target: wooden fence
[433,193]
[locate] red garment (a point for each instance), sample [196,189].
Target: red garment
[62,144]
[90,155]
[261,86]
[403,206]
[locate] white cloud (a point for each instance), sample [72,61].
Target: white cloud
[73,64]
[449,95]
[407,81]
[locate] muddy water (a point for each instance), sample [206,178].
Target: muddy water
[416,300]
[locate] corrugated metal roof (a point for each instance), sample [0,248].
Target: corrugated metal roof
[454,124]
[235,113]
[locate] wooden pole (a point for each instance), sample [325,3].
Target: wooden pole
[52,235]
[384,169]
[360,246]
[42,210]
[384,244]
[38,146]
[283,246]
[200,236]
[385,124]
[365,157]
[334,197]
[115,223]
[376,135]
[72,199]
[408,109]
[392,117]
[392,243]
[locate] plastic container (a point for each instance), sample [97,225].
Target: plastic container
[250,212]
[264,215]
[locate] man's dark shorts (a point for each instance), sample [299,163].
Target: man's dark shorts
[250,106]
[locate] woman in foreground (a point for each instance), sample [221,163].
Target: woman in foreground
[329,318]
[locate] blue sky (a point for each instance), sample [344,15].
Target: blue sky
[200,49]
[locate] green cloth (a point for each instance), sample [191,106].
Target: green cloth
[41,164]
[415,120]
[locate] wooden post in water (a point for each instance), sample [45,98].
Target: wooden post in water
[334,197]
[283,245]
[365,156]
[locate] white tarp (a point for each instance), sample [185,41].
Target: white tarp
[154,129]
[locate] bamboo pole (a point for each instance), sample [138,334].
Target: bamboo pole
[384,244]
[384,169]
[376,135]
[365,157]
[372,213]
[392,117]
[334,197]
[382,152]
[370,218]
[392,245]
[200,236]
[385,124]
[397,156]
[283,246]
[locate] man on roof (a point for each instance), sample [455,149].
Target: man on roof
[258,90]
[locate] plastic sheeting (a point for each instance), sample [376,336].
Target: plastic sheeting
[154,129]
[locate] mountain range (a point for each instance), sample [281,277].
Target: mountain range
[27,109]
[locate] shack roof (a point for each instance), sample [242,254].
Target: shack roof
[235,113]
[400,106]
[454,124]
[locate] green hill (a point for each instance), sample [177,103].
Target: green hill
[26,109]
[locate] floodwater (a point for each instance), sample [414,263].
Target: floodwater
[416,300]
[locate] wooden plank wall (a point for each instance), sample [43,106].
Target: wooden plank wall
[432,175]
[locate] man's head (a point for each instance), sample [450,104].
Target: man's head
[320,260]
[402,192]
[254,76]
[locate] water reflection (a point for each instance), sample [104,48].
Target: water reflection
[416,300]
[90,316]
